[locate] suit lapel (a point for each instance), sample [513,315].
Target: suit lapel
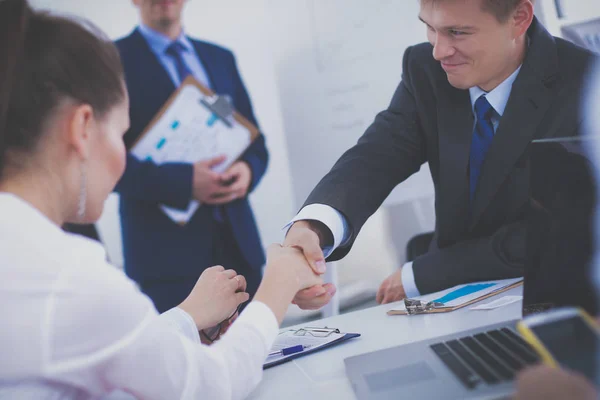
[455,125]
[153,70]
[204,54]
[527,106]
[524,112]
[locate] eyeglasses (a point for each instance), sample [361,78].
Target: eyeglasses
[213,333]
[315,332]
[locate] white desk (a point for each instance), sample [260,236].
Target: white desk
[322,375]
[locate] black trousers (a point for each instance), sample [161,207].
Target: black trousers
[168,293]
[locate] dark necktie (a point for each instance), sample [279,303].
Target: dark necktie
[175,50]
[481,141]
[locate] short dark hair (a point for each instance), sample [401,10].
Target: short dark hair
[47,59]
[501,9]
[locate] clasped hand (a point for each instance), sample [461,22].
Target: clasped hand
[210,187]
[303,236]
[215,297]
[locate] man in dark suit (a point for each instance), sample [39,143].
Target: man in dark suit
[164,258]
[489,81]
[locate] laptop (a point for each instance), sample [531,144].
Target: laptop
[483,362]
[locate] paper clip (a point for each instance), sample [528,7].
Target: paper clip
[414,307]
[219,106]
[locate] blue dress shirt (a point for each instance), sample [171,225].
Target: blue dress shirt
[159,43]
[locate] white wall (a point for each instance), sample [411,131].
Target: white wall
[337,66]
[574,11]
[241,26]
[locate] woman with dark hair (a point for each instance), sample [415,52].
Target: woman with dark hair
[73,326]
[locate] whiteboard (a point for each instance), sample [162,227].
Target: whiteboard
[338,63]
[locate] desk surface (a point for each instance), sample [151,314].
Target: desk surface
[322,375]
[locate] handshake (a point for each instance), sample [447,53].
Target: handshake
[293,274]
[294,269]
[212,188]
[307,237]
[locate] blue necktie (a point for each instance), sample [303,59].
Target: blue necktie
[482,139]
[175,50]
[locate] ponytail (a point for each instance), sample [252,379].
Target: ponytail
[14,18]
[47,59]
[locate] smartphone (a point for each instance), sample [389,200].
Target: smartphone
[565,337]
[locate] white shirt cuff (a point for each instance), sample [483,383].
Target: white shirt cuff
[331,218]
[261,317]
[408,281]
[182,322]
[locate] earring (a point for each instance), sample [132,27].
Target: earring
[82,195]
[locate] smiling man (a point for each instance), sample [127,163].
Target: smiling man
[165,258]
[489,81]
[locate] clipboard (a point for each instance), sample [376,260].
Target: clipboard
[418,307]
[190,127]
[341,337]
[190,80]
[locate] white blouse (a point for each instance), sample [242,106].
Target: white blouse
[74,327]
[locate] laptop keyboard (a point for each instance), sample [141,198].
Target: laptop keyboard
[487,358]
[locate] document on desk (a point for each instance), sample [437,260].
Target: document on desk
[290,338]
[458,297]
[187,131]
[501,302]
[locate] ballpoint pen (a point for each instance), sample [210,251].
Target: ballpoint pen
[289,350]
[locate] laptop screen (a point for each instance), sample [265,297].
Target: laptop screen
[560,238]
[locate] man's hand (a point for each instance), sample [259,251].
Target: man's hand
[206,182]
[391,289]
[216,189]
[308,236]
[240,176]
[315,297]
[547,383]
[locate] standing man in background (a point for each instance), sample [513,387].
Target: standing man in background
[164,258]
[490,80]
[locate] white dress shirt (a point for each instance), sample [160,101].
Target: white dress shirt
[74,327]
[338,225]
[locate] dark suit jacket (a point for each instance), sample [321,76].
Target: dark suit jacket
[155,247]
[428,120]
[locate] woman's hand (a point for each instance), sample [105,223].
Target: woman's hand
[215,297]
[287,273]
[288,266]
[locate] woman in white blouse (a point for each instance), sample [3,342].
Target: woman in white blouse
[73,326]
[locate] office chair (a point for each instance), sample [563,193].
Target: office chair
[585,34]
[418,245]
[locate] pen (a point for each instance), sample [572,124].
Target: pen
[289,350]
